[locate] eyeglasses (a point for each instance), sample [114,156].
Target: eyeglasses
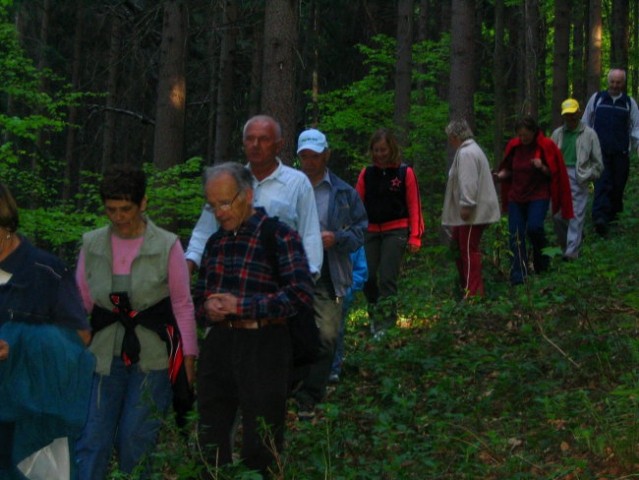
[224,206]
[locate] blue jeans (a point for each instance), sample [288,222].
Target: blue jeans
[527,220]
[126,411]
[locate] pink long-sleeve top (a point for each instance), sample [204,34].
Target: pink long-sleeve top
[124,252]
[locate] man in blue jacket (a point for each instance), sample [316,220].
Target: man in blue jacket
[615,117]
[343,221]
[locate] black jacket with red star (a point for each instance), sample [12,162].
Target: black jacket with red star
[391,197]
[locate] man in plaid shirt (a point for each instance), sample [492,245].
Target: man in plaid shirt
[246,353]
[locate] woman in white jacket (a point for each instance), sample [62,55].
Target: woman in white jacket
[470,204]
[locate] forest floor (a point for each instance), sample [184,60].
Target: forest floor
[538,381]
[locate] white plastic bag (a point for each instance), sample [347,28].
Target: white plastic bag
[49,463]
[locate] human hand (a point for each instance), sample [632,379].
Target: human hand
[465,213]
[537,163]
[4,350]
[189,368]
[328,239]
[218,305]
[413,248]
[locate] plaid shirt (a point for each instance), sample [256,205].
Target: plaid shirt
[237,263]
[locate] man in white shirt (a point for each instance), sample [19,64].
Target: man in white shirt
[282,191]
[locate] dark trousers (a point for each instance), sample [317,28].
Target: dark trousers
[328,314]
[249,370]
[384,255]
[608,199]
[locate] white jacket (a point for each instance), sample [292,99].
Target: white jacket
[470,184]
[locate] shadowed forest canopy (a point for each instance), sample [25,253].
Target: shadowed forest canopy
[169,84]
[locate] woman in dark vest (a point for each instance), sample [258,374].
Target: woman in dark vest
[134,281]
[390,194]
[45,368]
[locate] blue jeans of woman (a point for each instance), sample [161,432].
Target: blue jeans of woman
[126,411]
[527,220]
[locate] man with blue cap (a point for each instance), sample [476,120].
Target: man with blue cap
[343,221]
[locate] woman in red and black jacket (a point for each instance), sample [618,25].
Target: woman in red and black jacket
[390,194]
[533,176]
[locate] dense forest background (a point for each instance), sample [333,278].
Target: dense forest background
[168,85]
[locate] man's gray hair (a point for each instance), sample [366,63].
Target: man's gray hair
[235,170]
[459,129]
[264,118]
[612,70]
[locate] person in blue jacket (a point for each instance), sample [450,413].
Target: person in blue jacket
[45,368]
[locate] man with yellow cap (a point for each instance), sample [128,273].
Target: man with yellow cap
[579,145]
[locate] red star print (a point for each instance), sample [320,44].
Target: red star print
[396,182]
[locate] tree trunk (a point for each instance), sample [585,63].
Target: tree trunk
[499,81]
[579,52]
[422,35]
[278,76]
[560,59]
[462,46]
[532,49]
[224,120]
[113,72]
[168,145]
[43,63]
[403,69]
[70,166]
[594,48]
[257,62]
[633,86]
[619,34]
[213,60]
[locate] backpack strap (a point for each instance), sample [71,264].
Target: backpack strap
[269,243]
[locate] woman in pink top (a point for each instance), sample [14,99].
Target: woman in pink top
[136,286]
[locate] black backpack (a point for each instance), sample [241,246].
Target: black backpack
[304,333]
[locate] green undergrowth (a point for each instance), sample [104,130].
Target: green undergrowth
[532,382]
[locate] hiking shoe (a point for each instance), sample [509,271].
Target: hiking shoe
[305,412]
[333,378]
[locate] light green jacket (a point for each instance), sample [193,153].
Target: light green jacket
[149,285]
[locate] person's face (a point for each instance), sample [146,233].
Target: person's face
[525,136]
[261,144]
[126,217]
[313,164]
[229,206]
[616,83]
[571,120]
[381,151]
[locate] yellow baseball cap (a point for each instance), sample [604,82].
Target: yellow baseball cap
[569,106]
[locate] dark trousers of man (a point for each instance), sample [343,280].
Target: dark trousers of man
[245,369]
[608,199]
[467,239]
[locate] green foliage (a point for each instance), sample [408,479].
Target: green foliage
[351,114]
